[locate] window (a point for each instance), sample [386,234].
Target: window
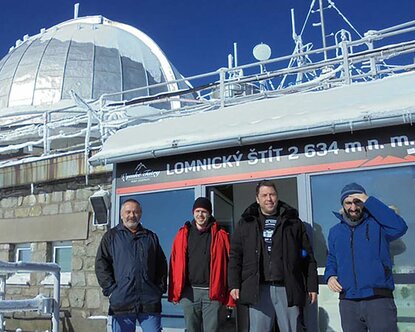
[393,186]
[22,253]
[61,254]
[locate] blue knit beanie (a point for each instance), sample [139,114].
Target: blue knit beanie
[351,188]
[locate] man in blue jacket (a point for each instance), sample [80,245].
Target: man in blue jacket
[131,269]
[359,265]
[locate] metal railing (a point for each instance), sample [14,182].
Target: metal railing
[88,125]
[40,303]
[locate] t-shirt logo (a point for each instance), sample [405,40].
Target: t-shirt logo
[269,227]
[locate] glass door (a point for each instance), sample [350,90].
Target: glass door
[222,209]
[229,202]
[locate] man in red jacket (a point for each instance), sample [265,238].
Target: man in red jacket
[198,269]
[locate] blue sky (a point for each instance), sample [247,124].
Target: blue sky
[197,35]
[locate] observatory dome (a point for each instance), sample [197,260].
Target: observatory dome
[89,55]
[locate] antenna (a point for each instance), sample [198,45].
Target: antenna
[230,61]
[293,25]
[262,52]
[323,28]
[235,54]
[76,10]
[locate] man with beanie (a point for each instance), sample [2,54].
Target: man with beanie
[198,269]
[359,265]
[271,266]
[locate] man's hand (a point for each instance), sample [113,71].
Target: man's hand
[313,297]
[361,197]
[334,285]
[235,294]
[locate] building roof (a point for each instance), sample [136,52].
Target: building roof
[352,107]
[90,55]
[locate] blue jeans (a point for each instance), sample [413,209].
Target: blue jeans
[377,315]
[126,323]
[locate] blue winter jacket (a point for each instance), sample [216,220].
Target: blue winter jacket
[132,270]
[359,256]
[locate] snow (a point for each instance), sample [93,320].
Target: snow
[299,114]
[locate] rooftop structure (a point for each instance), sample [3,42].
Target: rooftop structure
[84,118]
[44,78]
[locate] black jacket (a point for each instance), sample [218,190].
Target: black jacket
[132,270]
[300,267]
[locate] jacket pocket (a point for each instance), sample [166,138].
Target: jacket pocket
[123,294]
[249,290]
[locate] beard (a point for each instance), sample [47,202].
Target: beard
[131,223]
[355,216]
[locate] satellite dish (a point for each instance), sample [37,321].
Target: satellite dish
[262,52]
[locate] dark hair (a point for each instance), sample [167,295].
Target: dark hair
[265,183]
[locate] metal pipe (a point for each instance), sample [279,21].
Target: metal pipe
[2,297]
[396,27]
[222,87]
[56,300]
[346,66]
[76,11]
[38,301]
[34,304]
[323,29]
[235,54]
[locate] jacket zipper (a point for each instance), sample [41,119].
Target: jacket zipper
[353,262]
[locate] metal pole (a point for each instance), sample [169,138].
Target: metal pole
[46,143]
[323,30]
[56,298]
[346,67]
[2,297]
[372,61]
[222,87]
[235,54]
[87,145]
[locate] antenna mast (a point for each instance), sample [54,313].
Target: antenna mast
[323,29]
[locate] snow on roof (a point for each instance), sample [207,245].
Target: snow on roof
[90,55]
[377,103]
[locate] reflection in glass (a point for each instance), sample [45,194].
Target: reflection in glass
[164,213]
[393,186]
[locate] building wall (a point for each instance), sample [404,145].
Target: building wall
[82,297]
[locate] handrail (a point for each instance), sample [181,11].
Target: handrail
[39,303]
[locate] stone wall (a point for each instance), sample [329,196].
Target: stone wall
[80,299]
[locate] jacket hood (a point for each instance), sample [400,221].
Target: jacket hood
[283,209]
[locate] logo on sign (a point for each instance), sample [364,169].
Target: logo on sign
[141,174]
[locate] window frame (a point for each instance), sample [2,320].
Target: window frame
[20,278]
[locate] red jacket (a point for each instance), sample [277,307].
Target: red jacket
[219,256]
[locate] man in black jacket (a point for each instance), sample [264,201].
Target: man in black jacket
[132,271]
[271,264]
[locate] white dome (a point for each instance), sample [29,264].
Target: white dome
[90,55]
